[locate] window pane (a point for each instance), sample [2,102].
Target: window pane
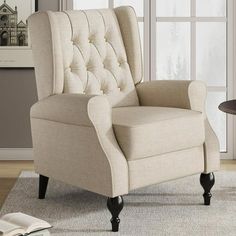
[216,117]
[211,53]
[89,4]
[173,7]
[173,50]
[211,7]
[136,4]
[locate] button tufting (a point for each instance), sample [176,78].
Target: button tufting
[120,62]
[90,40]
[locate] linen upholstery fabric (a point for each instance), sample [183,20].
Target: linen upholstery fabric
[211,149]
[188,95]
[88,72]
[81,147]
[148,131]
[130,32]
[164,167]
[94,56]
[47,54]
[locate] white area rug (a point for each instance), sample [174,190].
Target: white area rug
[173,208]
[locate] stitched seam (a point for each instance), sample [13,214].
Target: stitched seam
[155,122]
[140,48]
[110,45]
[96,49]
[53,56]
[113,48]
[89,28]
[107,158]
[51,120]
[95,77]
[106,31]
[105,28]
[113,76]
[72,31]
[160,154]
[77,46]
[99,138]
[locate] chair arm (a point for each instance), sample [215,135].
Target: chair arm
[76,131]
[75,109]
[186,94]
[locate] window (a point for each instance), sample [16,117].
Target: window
[191,43]
[183,40]
[4,18]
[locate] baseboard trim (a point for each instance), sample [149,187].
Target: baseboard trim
[16,154]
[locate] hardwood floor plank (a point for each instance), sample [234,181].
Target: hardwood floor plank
[9,172]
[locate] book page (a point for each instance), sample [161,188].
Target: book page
[41,233]
[29,223]
[6,227]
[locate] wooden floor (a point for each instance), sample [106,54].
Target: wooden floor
[10,170]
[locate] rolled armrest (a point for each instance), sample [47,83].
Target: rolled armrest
[73,133]
[75,109]
[186,94]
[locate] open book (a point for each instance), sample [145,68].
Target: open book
[14,224]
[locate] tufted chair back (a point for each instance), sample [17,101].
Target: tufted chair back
[88,52]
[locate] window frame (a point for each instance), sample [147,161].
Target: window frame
[230,20]
[149,57]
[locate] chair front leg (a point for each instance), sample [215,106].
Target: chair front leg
[115,205]
[43,183]
[207,181]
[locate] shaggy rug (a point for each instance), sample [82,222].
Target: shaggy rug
[172,208]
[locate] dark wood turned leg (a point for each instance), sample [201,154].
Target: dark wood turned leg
[43,183]
[207,181]
[115,205]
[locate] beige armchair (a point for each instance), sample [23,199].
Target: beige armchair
[96,125]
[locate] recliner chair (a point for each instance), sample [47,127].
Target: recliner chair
[97,125]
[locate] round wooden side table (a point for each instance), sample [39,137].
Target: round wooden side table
[228,107]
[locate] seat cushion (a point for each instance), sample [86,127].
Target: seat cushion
[147,131]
